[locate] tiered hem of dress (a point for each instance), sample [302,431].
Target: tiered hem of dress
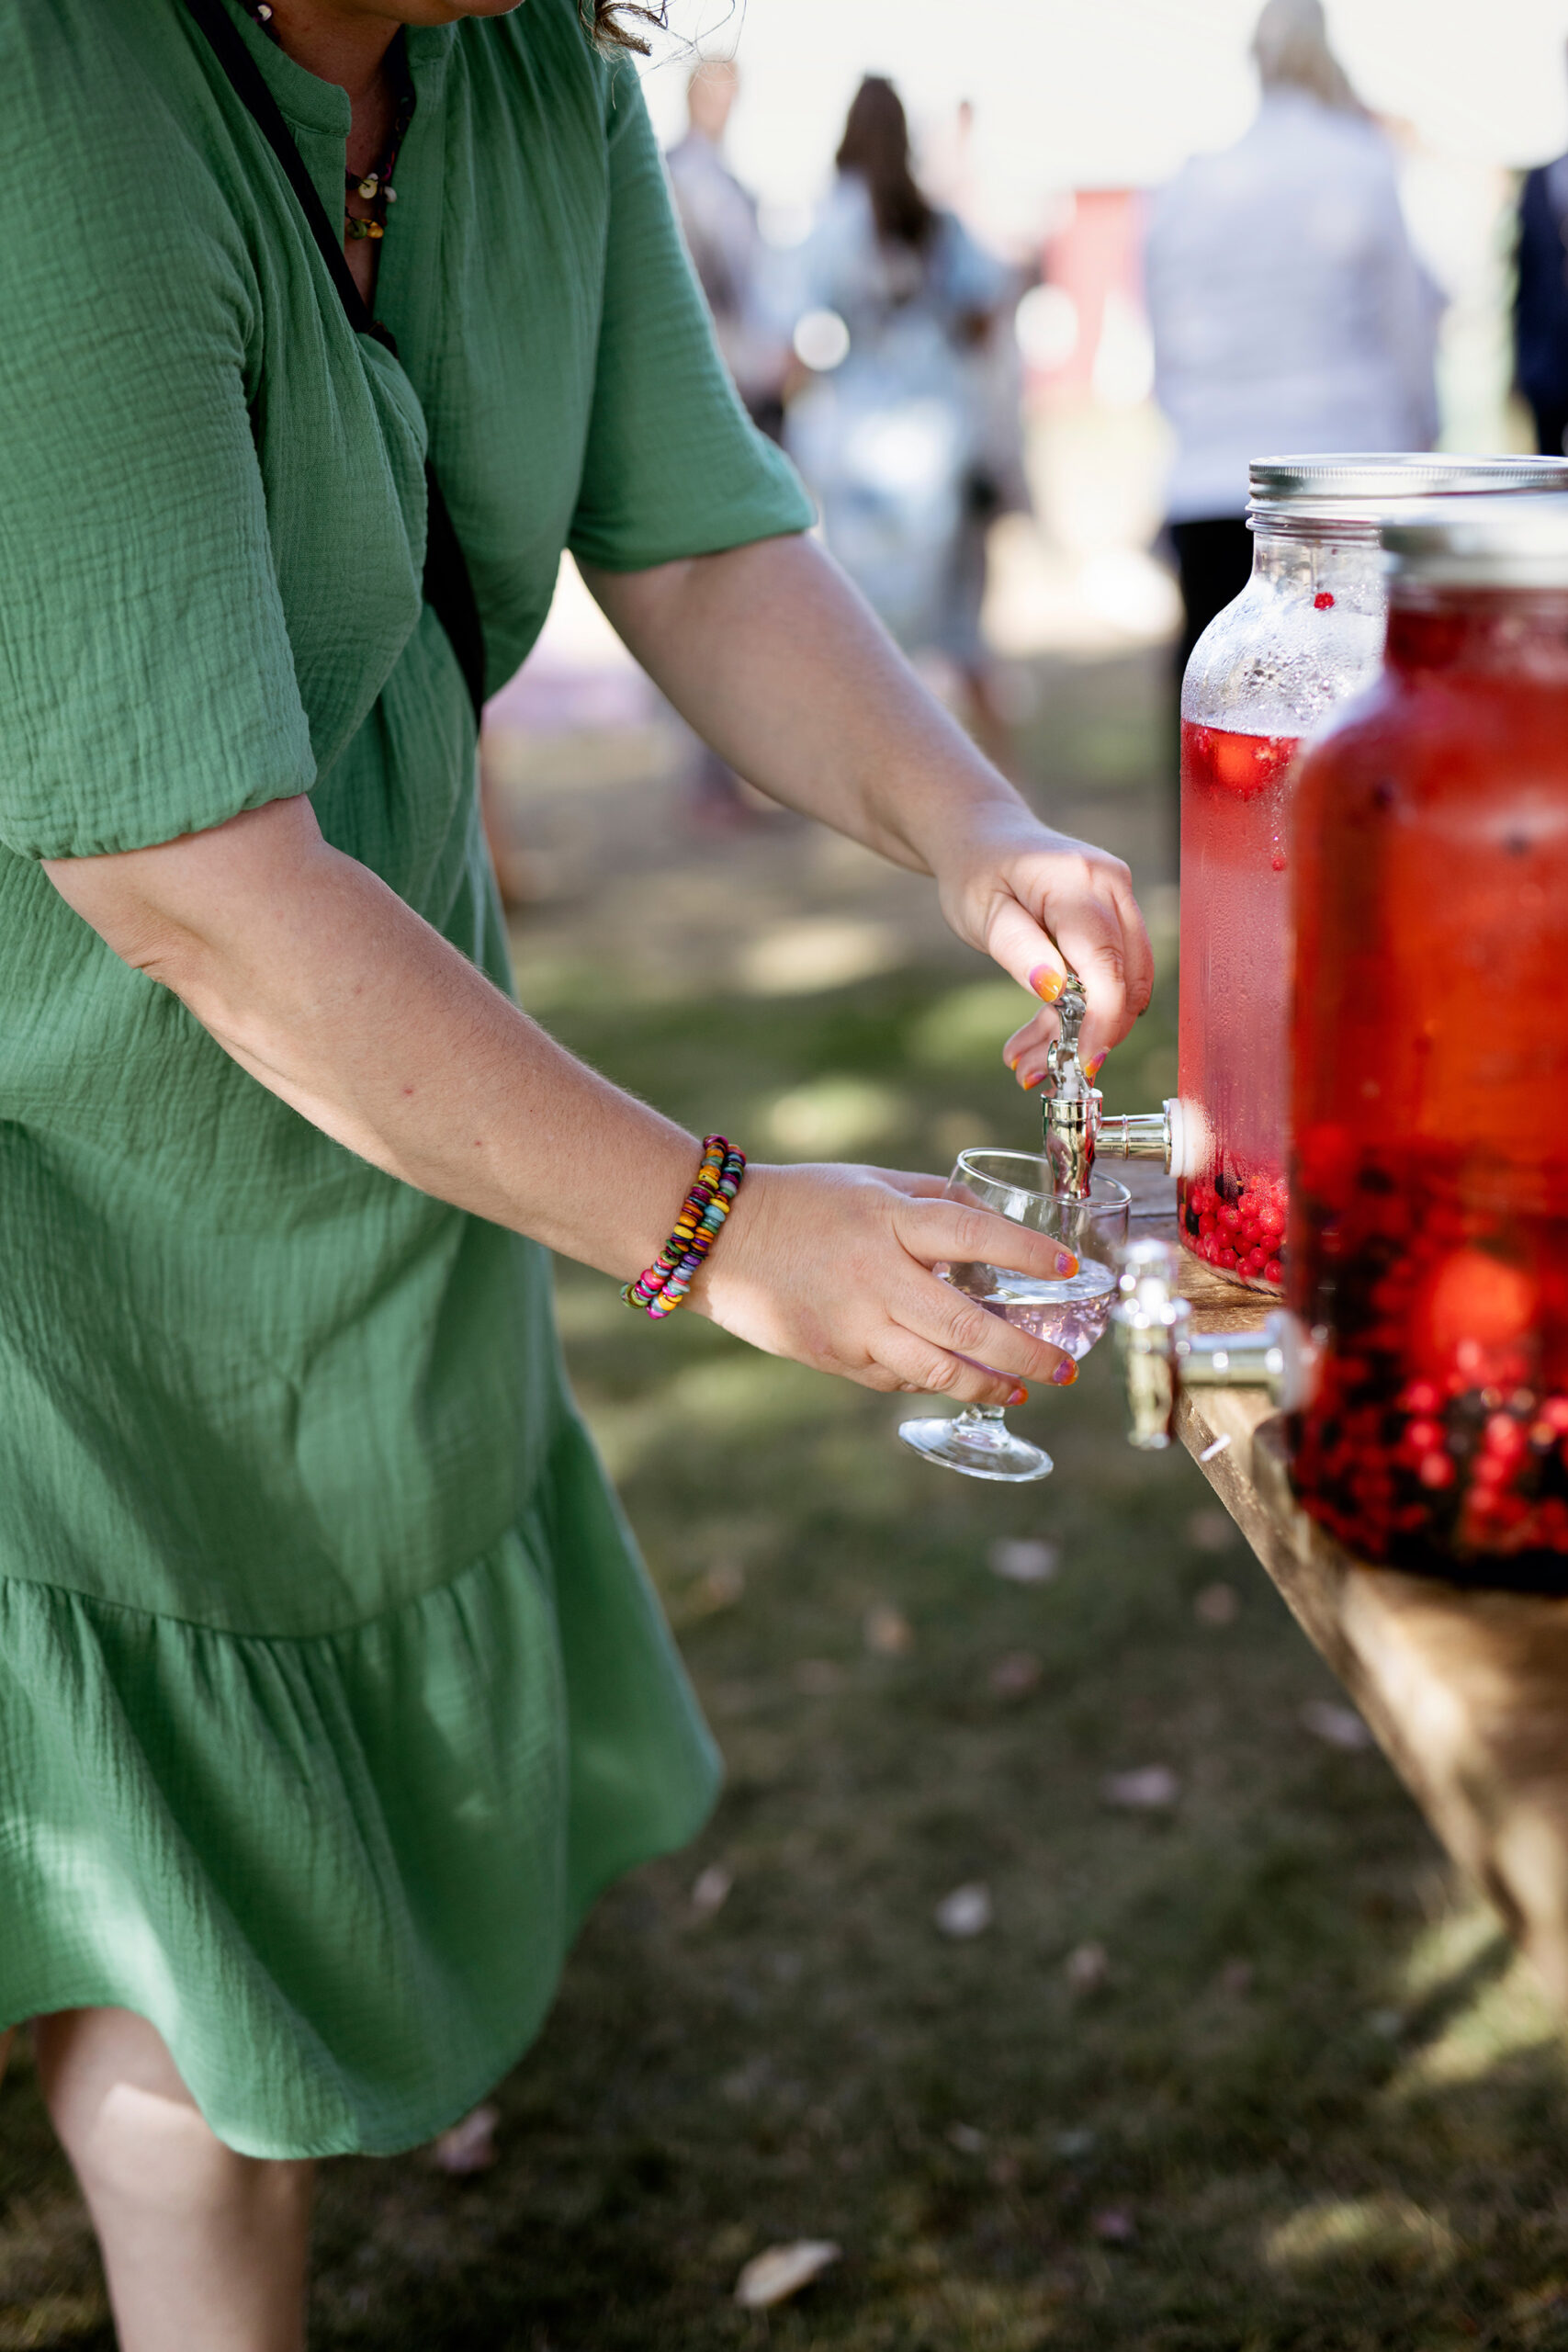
[340,1874]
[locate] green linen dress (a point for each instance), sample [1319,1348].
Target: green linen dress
[331,1687]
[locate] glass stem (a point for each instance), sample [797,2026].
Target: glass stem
[973,1413]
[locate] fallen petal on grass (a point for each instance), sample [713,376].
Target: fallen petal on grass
[1210,1530]
[1016,1674]
[721,1587]
[1153,1788]
[887,1632]
[468,2146]
[1217,1604]
[710,1890]
[965,1912]
[1337,1726]
[1023,1559]
[781,2271]
[1115,2224]
[1087,1967]
[965,2139]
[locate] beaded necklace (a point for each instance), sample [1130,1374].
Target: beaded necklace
[375,187]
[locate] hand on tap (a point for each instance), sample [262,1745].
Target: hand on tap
[1043,905]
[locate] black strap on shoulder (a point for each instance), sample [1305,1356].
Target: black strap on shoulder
[449,589]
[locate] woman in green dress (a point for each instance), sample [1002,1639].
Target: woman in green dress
[331,1687]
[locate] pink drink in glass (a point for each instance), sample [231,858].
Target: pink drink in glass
[1070,1314]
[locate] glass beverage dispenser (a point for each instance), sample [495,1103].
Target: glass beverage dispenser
[1306,635]
[1430,1208]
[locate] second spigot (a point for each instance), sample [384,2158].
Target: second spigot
[1161,1355]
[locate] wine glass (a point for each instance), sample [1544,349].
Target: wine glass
[1070,1313]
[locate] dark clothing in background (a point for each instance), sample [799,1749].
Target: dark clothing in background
[1540,302]
[1213,562]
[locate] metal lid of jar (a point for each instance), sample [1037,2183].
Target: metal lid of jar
[1481,542]
[1361,487]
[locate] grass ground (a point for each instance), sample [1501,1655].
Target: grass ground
[1243,2073]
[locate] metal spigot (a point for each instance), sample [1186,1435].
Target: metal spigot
[1076,1129]
[1161,1355]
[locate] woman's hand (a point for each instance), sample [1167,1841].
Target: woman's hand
[832,1266]
[1042,905]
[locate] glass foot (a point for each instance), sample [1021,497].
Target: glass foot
[981,1449]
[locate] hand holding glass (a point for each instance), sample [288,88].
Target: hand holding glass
[1071,1312]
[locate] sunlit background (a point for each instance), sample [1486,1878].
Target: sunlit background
[1077,111]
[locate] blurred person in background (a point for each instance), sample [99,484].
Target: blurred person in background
[718,215]
[908,427]
[1540,303]
[333,1690]
[1288,307]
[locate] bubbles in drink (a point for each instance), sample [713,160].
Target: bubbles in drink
[1070,1314]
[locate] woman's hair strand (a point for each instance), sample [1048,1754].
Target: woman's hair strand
[604,20]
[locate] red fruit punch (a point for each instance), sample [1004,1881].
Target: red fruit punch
[1235,1003]
[1429,1214]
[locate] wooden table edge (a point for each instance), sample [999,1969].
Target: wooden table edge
[1466,1692]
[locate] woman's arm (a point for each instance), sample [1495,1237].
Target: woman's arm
[779,664]
[321,983]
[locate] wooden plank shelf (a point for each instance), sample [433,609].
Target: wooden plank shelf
[1466,1692]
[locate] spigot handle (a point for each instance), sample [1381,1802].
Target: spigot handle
[1071,1107]
[1072,1011]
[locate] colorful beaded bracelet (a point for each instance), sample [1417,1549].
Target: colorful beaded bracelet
[661,1287]
[704,1188]
[665,1284]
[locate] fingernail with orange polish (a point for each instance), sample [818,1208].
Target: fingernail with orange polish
[1029,1083]
[1092,1069]
[1019,1396]
[1046,983]
[1064,1374]
[1065,1262]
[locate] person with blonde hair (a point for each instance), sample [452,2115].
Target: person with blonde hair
[1288,307]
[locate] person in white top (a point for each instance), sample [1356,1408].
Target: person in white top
[1288,307]
[909,433]
[719,214]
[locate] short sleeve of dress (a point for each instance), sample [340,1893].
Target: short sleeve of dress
[673,465]
[147,684]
